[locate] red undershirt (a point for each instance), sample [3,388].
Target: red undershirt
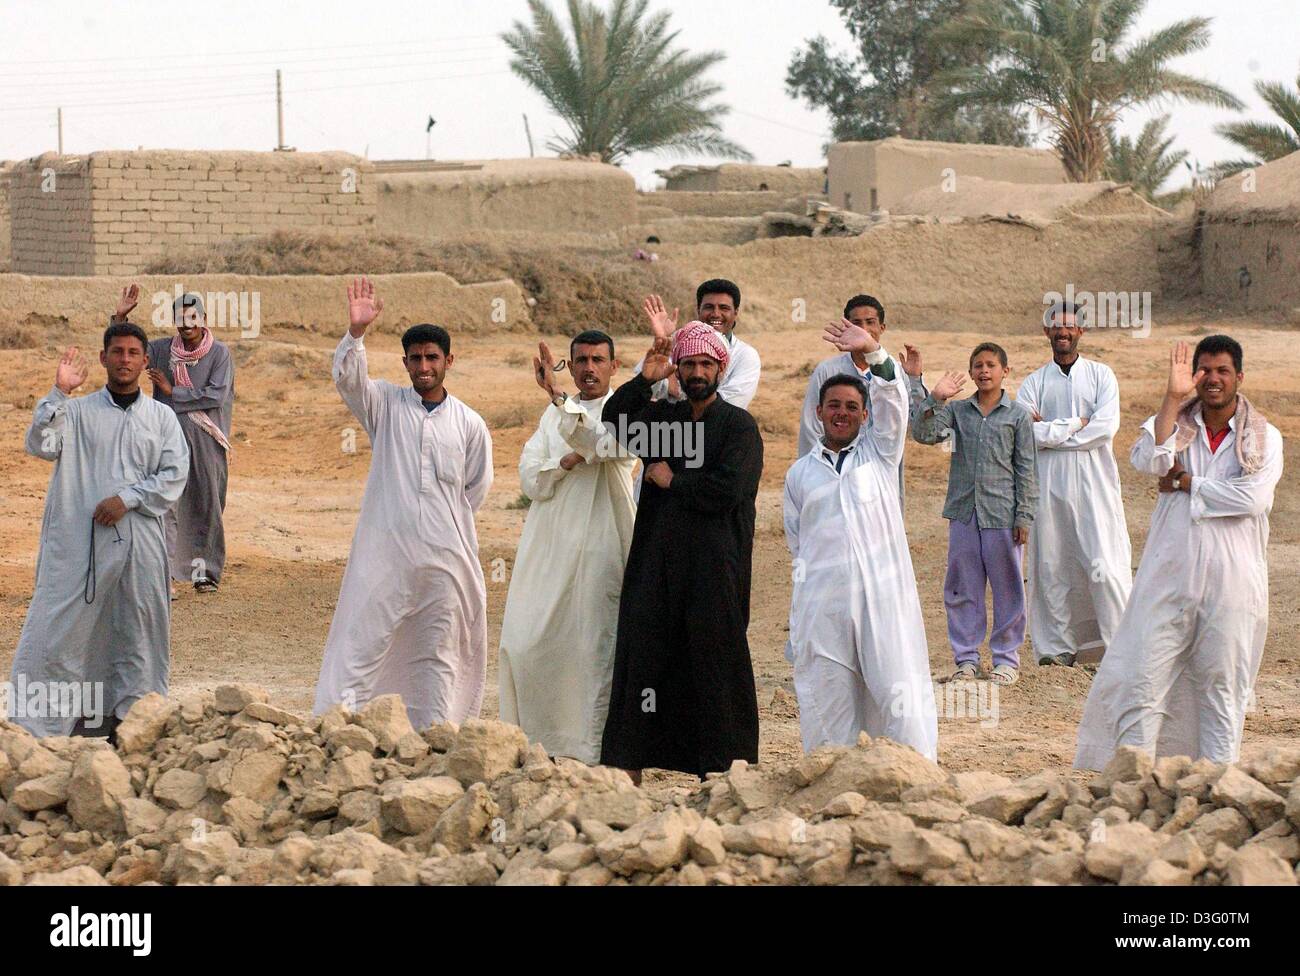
[1215,439]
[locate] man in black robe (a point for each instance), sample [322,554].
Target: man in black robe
[683,694]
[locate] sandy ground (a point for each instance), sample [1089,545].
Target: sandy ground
[295,492]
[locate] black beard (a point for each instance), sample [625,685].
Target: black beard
[693,391]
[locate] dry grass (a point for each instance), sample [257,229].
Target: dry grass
[593,286]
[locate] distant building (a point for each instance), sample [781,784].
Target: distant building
[867,176]
[745,177]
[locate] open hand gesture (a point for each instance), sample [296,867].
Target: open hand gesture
[661,323]
[949,386]
[363,306]
[911,361]
[847,337]
[127,302]
[544,370]
[1182,382]
[72,370]
[658,364]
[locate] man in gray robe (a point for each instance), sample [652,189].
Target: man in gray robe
[194,375]
[97,633]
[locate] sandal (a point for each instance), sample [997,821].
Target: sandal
[966,671]
[205,586]
[1065,659]
[1005,674]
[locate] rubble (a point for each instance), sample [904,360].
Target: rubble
[228,788]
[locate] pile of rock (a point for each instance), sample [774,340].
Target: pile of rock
[226,788]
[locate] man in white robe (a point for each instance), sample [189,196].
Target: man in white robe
[866,312]
[100,617]
[1080,561]
[412,616]
[857,638]
[1180,675]
[557,635]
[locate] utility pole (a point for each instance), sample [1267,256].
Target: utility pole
[60,120]
[529,134]
[279,113]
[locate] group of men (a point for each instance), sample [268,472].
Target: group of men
[624,635]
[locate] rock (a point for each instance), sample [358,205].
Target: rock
[458,869]
[441,736]
[263,712]
[319,801]
[1109,850]
[292,857]
[1223,826]
[145,722]
[99,784]
[82,876]
[1279,764]
[1256,865]
[41,792]
[652,845]
[414,806]
[412,746]
[195,861]
[569,857]
[353,877]
[353,737]
[385,718]
[465,820]
[927,813]
[615,808]
[880,830]
[1168,770]
[354,771]
[1130,796]
[754,788]
[255,775]
[11,875]
[526,870]
[140,816]
[706,845]
[847,804]
[1009,804]
[484,750]
[974,784]
[1261,806]
[985,839]
[1156,872]
[1128,765]
[922,850]
[352,848]
[1293,805]
[1061,868]
[772,836]
[245,815]
[881,771]
[231,699]
[590,876]
[1182,851]
[180,789]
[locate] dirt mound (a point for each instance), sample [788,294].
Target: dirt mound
[972,198]
[1271,192]
[223,787]
[569,284]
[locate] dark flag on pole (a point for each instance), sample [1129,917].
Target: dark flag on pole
[432,123]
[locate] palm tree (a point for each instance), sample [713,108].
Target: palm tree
[615,78]
[1265,141]
[1146,162]
[1071,62]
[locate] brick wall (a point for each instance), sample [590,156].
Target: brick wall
[6,169]
[113,212]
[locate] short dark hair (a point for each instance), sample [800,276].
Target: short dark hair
[426,333]
[992,347]
[858,301]
[591,337]
[1213,344]
[717,286]
[1063,308]
[843,379]
[125,329]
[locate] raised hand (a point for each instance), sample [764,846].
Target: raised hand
[661,323]
[363,306]
[129,300]
[544,370]
[949,386]
[1182,381]
[847,337]
[659,474]
[160,381]
[658,363]
[911,361]
[72,370]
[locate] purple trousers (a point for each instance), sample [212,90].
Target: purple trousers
[980,558]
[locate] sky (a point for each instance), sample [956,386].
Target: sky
[365,77]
